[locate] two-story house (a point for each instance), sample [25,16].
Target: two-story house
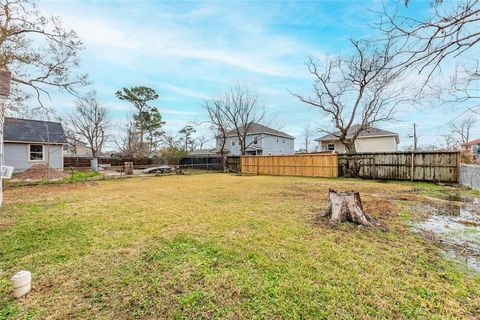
[260,140]
[369,140]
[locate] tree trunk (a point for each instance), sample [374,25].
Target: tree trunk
[349,146]
[346,206]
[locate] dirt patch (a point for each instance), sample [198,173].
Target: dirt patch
[4,224]
[40,172]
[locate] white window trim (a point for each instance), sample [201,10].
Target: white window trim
[331,144]
[43,152]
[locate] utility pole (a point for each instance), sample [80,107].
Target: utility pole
[414,137]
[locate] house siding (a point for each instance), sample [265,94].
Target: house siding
[16,155]
[273,145]
[267,143]
[370,144]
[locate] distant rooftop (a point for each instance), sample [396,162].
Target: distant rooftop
[257,128]
[202,152]
[368,132]
[473,142]
[24,130]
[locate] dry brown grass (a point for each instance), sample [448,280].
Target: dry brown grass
[221,246]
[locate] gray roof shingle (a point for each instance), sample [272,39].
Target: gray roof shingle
[23,130]
[368,132]
[260,128]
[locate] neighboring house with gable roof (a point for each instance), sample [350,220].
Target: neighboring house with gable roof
[474,147]
[369,140]
[76,148]
[260,140]
[30,142]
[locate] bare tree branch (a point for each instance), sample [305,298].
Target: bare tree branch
[39,52]
[90,120]
[236,111]
[452,31]
[357,91]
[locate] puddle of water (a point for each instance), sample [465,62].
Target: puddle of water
[456,227]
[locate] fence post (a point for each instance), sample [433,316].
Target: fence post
[457,168]
[301,163]
[128,168]
[258,167]
[412,167]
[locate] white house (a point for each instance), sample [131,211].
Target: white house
[29,142]
[369,140]
[260,140]
[76,148]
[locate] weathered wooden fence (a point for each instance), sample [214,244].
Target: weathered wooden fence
[419,166]
[305,165]
[233,164]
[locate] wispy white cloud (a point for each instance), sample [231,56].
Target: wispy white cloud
[190,51]
[181,91]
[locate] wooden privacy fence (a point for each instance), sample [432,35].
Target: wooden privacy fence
[305,165]
[233,164]
[420,166]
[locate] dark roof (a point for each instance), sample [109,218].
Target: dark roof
[260,128]
[368,132]
[24,130]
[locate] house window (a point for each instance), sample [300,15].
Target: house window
[233,143]
[283,140]
[331,147]
[255,140]
[35,152]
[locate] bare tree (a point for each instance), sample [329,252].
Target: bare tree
[218,122]
[461,129]
[73,140]
[91,121]
[307,137]
[451,32]
[356,92]
[173,148]
[172,141]
[449,143]
[202,141]
[128,141]
[39,52]
[239,110]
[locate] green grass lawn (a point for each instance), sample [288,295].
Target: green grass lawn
[221,246]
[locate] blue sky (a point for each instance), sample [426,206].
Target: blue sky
[190,51]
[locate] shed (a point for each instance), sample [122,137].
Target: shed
[29,142]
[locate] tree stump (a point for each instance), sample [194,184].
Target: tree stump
[346,206]
[128,168]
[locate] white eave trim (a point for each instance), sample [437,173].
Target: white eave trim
[34,142]
[265,133]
